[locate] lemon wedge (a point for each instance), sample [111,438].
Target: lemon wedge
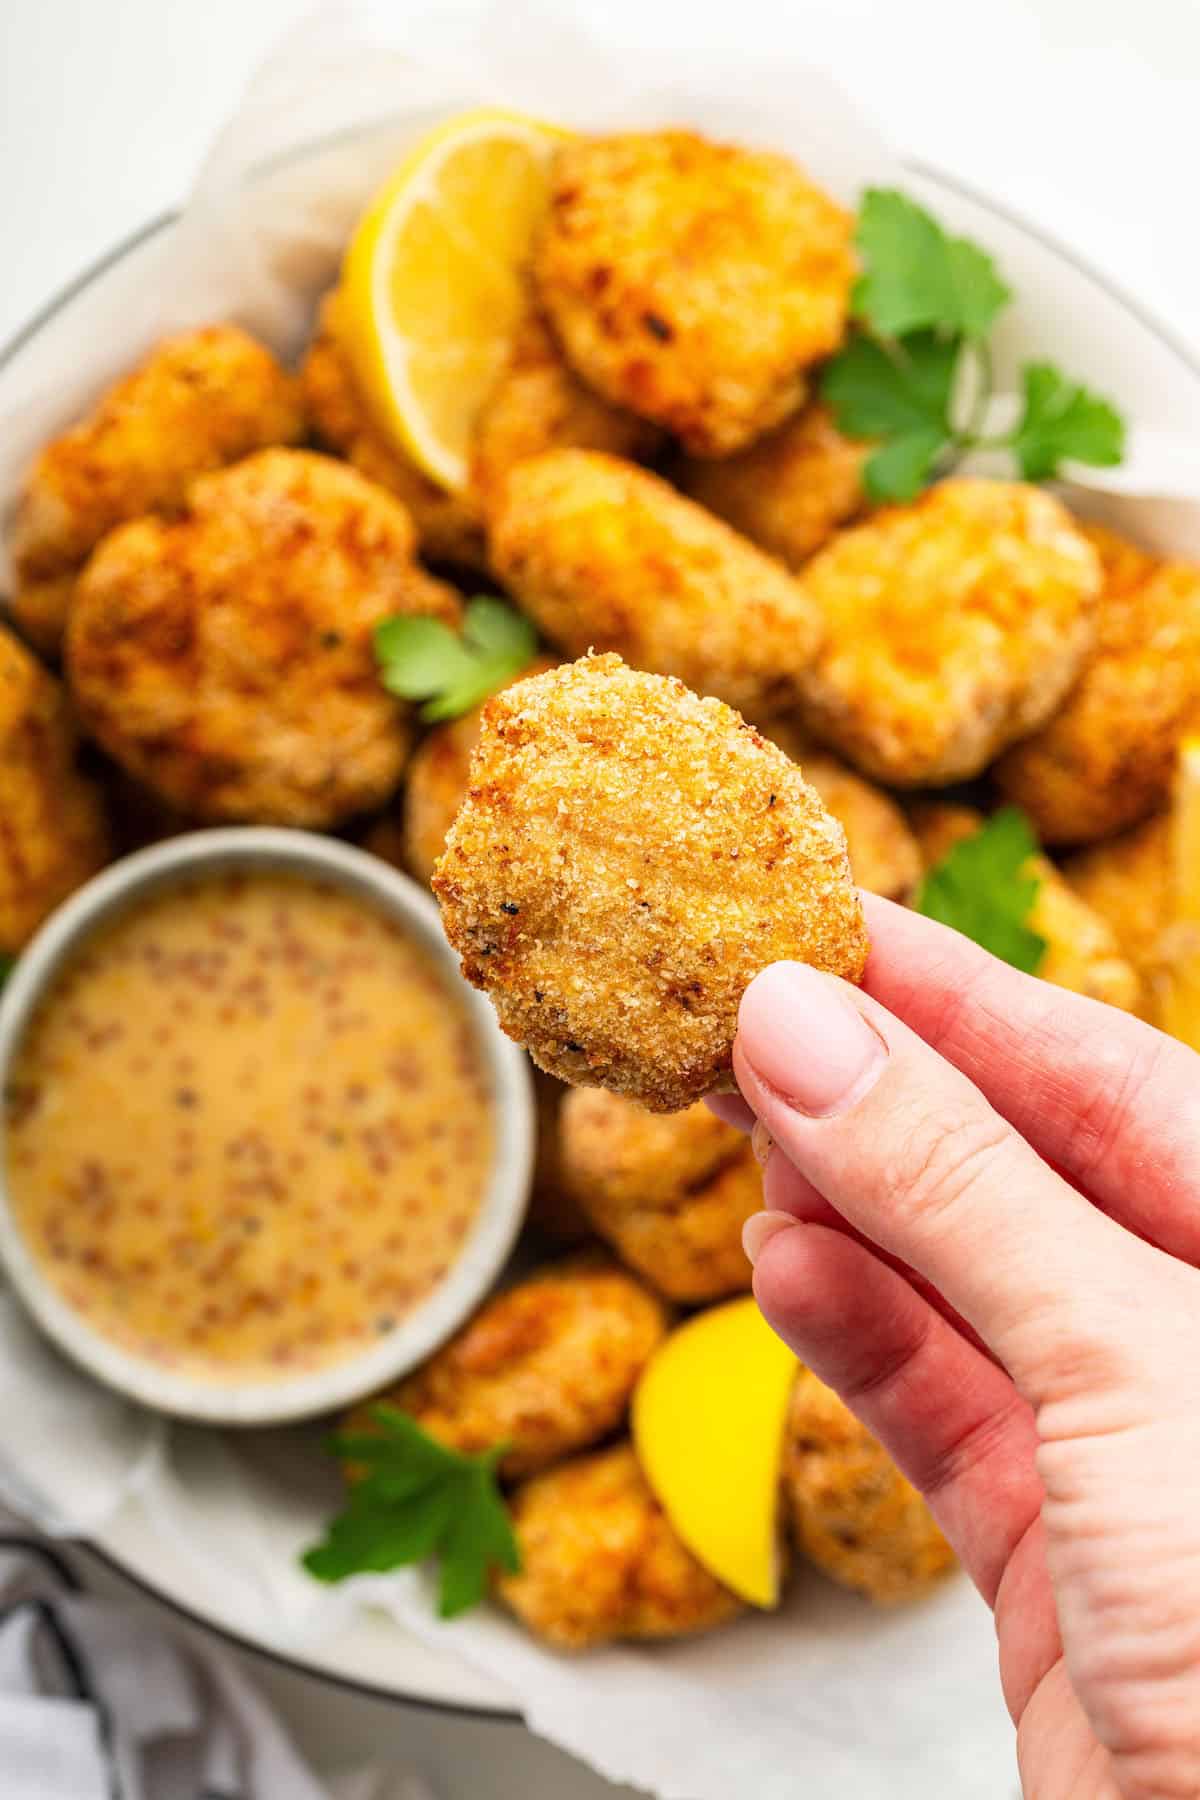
[1180,947]
[708,1424]
[433,285]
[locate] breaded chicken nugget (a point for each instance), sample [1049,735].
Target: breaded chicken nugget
[547,1367]
[628,857]
[53,833]
[1129,881]
[198,401]
[693,282]
[669,1193]
[603,555]
[226,660]
[884,856]
[538,405]
[851,1510]
[600,1560]
[1106,759]
[1083,953]
[789,492]
[553,1208]
[954,626]
[449,526]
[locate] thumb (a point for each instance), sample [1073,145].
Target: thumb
[907,1150]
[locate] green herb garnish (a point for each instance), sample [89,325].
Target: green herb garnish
[917,376]
[423,659]
[414,1499]
[985,888]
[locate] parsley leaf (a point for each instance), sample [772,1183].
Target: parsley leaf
[1064,422]
[424,660]
[412,1499]
[917,277]
[900,394]
[985,888]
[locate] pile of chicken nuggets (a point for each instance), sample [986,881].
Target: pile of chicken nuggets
[753,689]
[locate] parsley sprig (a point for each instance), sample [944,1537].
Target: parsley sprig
[986,888]
[916,375]
[422,659]
[413,1499]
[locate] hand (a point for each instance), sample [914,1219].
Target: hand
[983,1232]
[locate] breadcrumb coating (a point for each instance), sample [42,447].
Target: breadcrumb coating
[1128,881]
[547,1367]
[669,1192]
[693,282]
[1106,759]
[1083,953]
[851,1511]
[449,526]
[954,626]
[538,404]
[197,402]
[604,555]
[628,858]
[53,831]
[789,492]
[600,1561]
[884,856]
[225,658]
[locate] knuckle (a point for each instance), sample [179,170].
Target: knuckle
[942,1164]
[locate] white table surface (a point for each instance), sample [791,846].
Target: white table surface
[1079,114]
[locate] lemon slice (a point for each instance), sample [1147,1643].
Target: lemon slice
[708,1424]
[433,285]
[1180,946]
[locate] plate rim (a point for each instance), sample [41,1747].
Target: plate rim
[1147,316]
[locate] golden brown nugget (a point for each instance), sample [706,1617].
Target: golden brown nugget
[553,1208]
[1129,882]
[789,492]
[547,1367]
[53,832]
[225,658]
[538,405]
[884,855]
[628,857]
[1083,953]
[851,1511]
[603,555]
[197,402]
[953,626]
[449,526]
[1106,759]
[600,1561]
[670,1192]
[693,282]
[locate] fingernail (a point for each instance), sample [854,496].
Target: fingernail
[760,1228]
[762,1143]
[804,1037]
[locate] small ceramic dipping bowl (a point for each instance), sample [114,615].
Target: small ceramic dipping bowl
[257,1400]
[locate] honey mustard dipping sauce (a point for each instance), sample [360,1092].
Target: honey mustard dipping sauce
[248,1127]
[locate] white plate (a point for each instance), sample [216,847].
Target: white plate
[1064,312]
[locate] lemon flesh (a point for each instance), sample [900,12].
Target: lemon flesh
[708,1424]
[434,282]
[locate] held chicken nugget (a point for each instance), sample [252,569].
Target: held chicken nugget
[603,555]
[225,658]
[953,626]
[1082,952]
[1106,759]
[198,401]
[449,526]
[851,1511]
[693,282]
[669,1192]
[789,492]
[600,1561]
[628,857]
[884,855]
[547,1367]
[53,833]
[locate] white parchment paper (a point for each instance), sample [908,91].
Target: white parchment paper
[828,1698]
